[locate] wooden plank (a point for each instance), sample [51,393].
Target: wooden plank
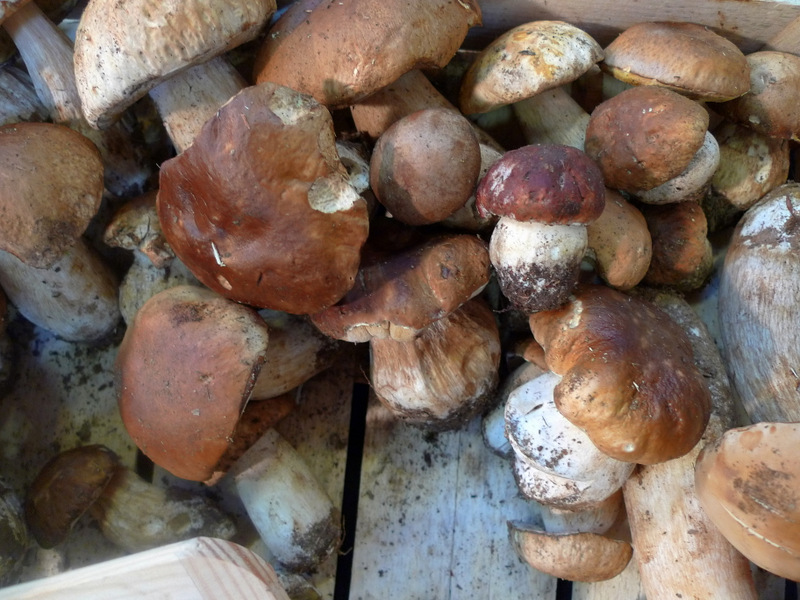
[432,517]
[748,24]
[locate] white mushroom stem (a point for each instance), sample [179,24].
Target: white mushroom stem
[678,548]
[76,298]
[552,117]
[598,518]
[47,53]
[188,99]
[291,511]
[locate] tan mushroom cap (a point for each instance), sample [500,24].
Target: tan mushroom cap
[645,136]
[524,61]
[571,556]
[259,208]
[629,378]
[749,485]
[687,58]
[123,50]
[399,295]
[340,52]
[771,106]
[184,373]
[52,182]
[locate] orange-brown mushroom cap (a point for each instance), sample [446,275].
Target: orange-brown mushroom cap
[184,372]
[629,377]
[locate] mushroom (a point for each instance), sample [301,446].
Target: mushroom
[446,375]
[18,99]
[770,107]
[747,482]
[645,136]
[259,207]
[132,513]
[700,63]
[425,166]
[340,53]
[629,378]
[184,373]
[545,195]
[758,308]
[124,51]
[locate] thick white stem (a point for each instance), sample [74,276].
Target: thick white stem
[552,117]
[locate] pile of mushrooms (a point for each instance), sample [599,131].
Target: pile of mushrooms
[326,194]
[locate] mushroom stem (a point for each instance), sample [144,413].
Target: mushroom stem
[679,550]
[18,99]
[188,99]
[47,53]
[552,117]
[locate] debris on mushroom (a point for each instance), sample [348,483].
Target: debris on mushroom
[758,308]
[629,377]
[545,195]
[131,513]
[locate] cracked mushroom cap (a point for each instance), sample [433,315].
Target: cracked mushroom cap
[524,61]
[398,295]
[341,52]
[123,50]
[645,136]
[259,207]
[629,377]
[687,58]
[52,182]
[747,482]
[184,373]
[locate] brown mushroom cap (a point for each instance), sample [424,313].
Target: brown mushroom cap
[548,183]
[425,166]
[65,488]
[629,378]
[52,182]
[571,556]
[645,136]
[687,58]
[259,207]
[524,61]
[748,483]
[771,105]
[123,50]
[340,52]
[399,295]
[183,374]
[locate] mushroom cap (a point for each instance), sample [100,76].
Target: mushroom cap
[524,61]
[571,556]
[548,183]
[123,50]
[260,209]
[629,377]
[52,182]
[687,58]
[770,107]
[425,166]
[184,372]
[748,482]
[65,488]
[399,295]
[341,52]
[9,7]
[644,136]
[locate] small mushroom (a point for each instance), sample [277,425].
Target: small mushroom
[687,58]
[747,482]
[629,378]
[545,195]
[132,513]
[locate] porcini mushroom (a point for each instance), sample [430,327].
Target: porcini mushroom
[545,195]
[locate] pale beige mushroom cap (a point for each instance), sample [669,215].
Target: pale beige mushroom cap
[124,49]
[524,61]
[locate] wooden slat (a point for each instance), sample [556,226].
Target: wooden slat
[432,518]
[748,24]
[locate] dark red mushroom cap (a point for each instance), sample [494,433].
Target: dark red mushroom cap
[548,183]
